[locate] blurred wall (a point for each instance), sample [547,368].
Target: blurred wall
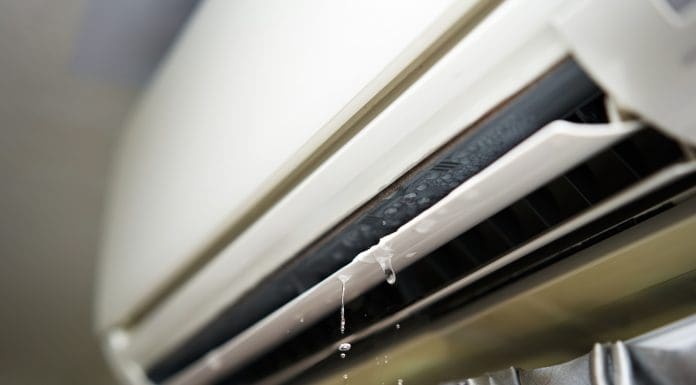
[57,131]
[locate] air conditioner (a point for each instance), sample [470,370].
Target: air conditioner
[404,192]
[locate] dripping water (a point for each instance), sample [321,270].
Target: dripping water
[344,347]
[386,264]
[343,279]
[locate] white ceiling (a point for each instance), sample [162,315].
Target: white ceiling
[57,132]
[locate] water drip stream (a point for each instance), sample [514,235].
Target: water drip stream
[386,264]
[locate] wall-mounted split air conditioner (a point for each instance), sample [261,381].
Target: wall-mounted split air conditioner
[466,186]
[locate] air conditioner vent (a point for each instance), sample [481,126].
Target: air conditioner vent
[565,92]
[578,191]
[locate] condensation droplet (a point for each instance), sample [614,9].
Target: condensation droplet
[386,265]
[398,326]
[343,279]
[390,276]
[344,347]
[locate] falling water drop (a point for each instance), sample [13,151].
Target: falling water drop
[398,326]
[345,376]
[343,355]
[344,347]
[400,382]
[391,276]
[343,279]
[386,264]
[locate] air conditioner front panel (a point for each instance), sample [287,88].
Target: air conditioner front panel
[248,93]
[457,91]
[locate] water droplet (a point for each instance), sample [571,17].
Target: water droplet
[411,254]
[301,319]
[343,279]
[386,265]
[391,276]
[398,326]
[345,376]
[400,382]
[343,355]
[344,347]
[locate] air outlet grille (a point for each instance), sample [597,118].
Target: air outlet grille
[579,190]
[564,93]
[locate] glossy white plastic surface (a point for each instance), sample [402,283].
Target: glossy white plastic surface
[466,83]
[249,91]
[643,53]
[516,174]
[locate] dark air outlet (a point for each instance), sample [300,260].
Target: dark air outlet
[566,196]
[564,93]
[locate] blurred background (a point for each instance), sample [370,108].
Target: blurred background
[69,70]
